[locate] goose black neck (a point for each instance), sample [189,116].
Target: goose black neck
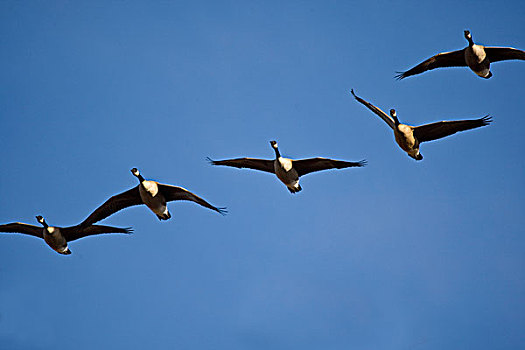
[277,154]
[141,179]
[396,121]
[44,223]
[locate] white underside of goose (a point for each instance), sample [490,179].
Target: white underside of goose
[404,136]
[286,173]
[153,199]
[63,249]
[294,185]
[475,57]
[484,73]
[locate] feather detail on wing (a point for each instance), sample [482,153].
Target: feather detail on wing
[306,166]
[496,54]
[175,193]
[76,232]
[27,229]
[444,59]
[434,131]
[250,163]
[114,204]
[376,110]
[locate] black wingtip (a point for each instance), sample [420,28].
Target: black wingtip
[361,163]
[222,210]
[128,230]
[209,160]
[352,92]
[400,75]
[486,120]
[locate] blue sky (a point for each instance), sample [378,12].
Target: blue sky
[397,255]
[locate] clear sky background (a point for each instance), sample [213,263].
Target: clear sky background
[397,255]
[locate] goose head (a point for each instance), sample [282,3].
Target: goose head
[41,220]
[275,148]
[136,173]
[468,36]
[393,114]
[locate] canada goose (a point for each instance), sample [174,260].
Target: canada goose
[476,57]
[151,193]
[58,237]
[287,170]
[409,137]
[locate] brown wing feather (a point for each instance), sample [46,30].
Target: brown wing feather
[496,54]
[251,163]
[306,166]
[438,130]
[76,232]
[114,204]
[27,229]
[375,109]
[444,59]
[175,193]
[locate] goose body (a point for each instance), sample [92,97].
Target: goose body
[409,137]
[150,193]
[404,136]
[55,239]
[58,237]
[476,57]
[287,174]
[288,171]
[153,199]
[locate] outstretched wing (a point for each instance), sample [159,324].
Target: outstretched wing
[27,229]
[438,130]
[444,59]
[307,166]
[251,163]
[114,204]
[376,110]
[175,193]
[76,232]
[496,54]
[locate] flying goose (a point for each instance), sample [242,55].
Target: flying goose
[151,193]
[476,57]
[409,137]
[58,237]
[287,170]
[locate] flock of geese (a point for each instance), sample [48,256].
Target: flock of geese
[156,195]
